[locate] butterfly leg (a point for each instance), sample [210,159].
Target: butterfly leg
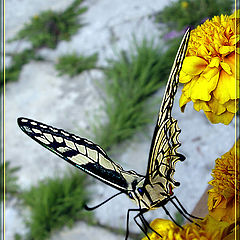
[143,229]
[145,222]
[183,209]
[182,212]
[167,212]
[128,213]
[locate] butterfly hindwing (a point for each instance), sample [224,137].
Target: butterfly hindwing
[80,152]
[163,152]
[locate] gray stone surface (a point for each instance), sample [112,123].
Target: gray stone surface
[72,103]
[83,231]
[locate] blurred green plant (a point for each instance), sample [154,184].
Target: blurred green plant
[18,60]
[55,203]
[11,188]
[179,218]
[49,27]
[129,82]
[44,30]
[73,64]
[181,13]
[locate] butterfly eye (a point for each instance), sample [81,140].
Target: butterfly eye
[130,195]
[140,190]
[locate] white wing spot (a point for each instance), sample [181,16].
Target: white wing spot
[43,126]
[80,159]
[34,123]
[92,154]
[24,120]
[63,149]
[58,139]
[105,162]
[77,138]
[36,130]
[81,149]
[88,142]
[70,144]
[42,140]
[48,136]
[65,133]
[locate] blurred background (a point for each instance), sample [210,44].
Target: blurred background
[97,69]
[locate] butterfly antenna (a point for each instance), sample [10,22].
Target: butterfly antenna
[99,205]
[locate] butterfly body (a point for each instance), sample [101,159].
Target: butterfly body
[149,192]
[91,159]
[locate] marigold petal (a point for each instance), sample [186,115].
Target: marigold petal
[214,62]
[184,78]
[232,106]
[224,118]
[230,60]
[234,39]
[213,199]
[202,51]
[226,88]
[225,50]
[226,68]
[202,88]
[210,72]
[201,105]
[193,65]
[183,101]
[231,234]
[216,107]
[226,213]
[215,227]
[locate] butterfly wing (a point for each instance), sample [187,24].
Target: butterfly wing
[163,152]
[79,152]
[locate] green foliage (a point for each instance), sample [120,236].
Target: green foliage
[129,82]
[17,236]
[56,202]
[182,13]
[18,60]
[11,188]
[44,30]
[49,27]
[72,64]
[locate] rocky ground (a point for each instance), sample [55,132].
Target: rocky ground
[71,103]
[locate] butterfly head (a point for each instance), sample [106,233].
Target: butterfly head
[138,193]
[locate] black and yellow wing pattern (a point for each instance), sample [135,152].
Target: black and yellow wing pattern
[163,151]
[150,191]
[79,152]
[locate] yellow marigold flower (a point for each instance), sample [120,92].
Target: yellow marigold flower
[209,72]
[221,199]
[210,229]
[184,4]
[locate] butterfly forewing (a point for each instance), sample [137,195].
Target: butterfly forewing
[163,152]
[80,152]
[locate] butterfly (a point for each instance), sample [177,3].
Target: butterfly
[149,192]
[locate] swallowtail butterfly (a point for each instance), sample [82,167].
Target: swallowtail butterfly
[151,191]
